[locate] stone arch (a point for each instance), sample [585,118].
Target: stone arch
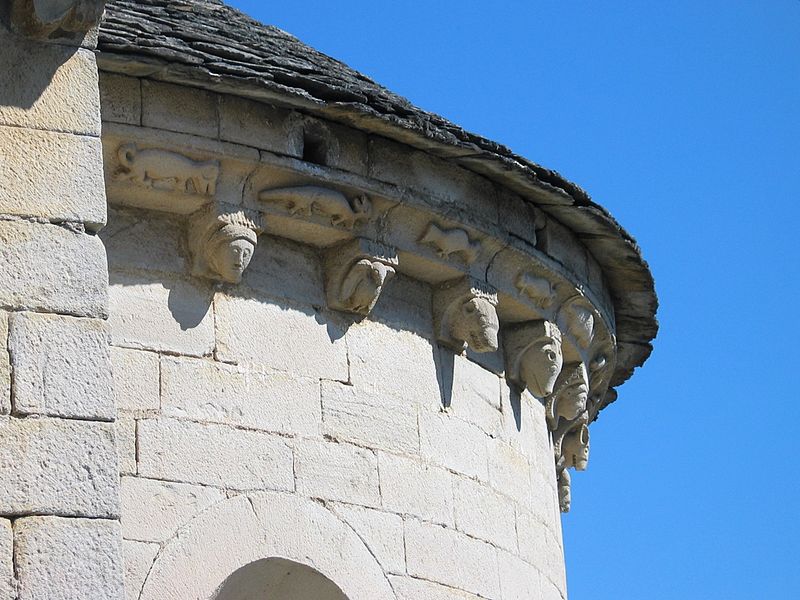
[278,579]
[247,530]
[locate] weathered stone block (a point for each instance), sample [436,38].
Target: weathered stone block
[141,241]
[5,367]
[61,367]
[179,108]
[411,487]
[65,559]
[369,418]
[48,87]
[136,375]
[453,443]
[408,588]
[213,455]
[483,513]
[58,467]
[202,390]
[476,396]
[273,259]
[335,471]
[48,268]
[8,586]
[169,315]
[382,532]
[430,552]
[152,511]
[532,534]
[259,125]
[509,472]
[393,361]
[279,335]
[121,98]
[518,579]
[138,558]
[125,429]
[65,182]
[550,591]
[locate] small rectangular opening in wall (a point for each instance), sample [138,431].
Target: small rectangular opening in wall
[315,149]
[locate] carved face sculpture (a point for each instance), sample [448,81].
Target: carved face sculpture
[231,254]
[575,448]
[541,365]
[572,391]
[478,325]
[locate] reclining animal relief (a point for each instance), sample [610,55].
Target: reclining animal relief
[306,200]
[166,171]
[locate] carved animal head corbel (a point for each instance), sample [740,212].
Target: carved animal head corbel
[465,315]
[570,395]
[355,273]
[46,18]
[222,240]
[533,356]
[575,448]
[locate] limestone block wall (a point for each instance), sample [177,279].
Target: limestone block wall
[254,422]
[59,480]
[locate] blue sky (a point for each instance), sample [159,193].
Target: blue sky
[683,119]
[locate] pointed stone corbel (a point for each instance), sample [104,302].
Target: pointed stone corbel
[222,240]
[465,315]
[564,491]
[533,356]
[571,449]
[355,273]
[44,18]
[570,395]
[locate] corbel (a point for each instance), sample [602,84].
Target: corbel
[570,395]
[533,356]
[41,19]
[465,315]
[222,239]
[355,274]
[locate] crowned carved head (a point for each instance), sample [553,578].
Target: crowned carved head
[575,448]
[571,391]
[534,357]
[223,244]
[476,323]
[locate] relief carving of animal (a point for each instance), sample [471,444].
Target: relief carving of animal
[307,199]
[167,171]
[451,241]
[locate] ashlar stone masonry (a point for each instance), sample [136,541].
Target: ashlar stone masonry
[269,330]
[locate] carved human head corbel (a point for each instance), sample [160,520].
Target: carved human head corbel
[570,395]
[355,274]
[42,19]
[575,448]
[465,315]
[533,356]
[222,241]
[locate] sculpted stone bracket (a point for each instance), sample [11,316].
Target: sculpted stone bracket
[355,273]
[465,315]
[42,19]
[557,337]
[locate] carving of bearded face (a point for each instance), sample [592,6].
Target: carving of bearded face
[230,257]
[540,366]
[573,391]
[479,325]
[575,448]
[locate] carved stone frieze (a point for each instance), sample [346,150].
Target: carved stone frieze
[465,315]
[306,200]
[533,356]
[355,273]
[447,242]
[166,171]
[222,241]
[46,18]
[576,318]
[538,289]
